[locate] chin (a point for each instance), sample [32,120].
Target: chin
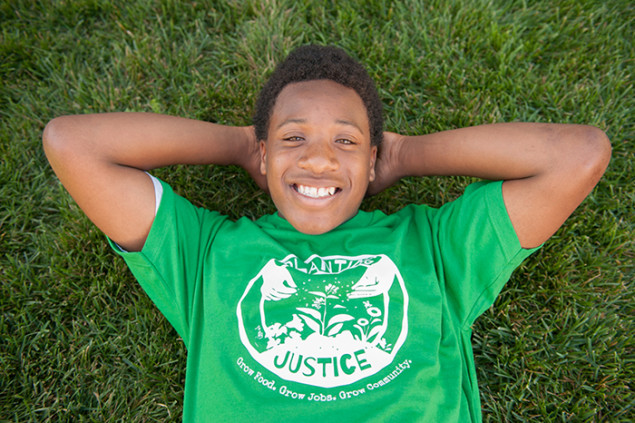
[310,228]
[313,230]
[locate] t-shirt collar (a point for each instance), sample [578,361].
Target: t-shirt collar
[361,219]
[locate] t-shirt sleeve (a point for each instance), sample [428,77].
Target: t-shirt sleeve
[169,266]
[478,249]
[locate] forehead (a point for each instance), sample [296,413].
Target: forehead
[324,98]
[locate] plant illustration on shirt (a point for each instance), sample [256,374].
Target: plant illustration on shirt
[327,314]
[370,329]
[316,317]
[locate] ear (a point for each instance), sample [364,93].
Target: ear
[373,159]
[263,157]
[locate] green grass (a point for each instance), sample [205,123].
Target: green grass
[79,339]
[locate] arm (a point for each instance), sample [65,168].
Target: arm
[100,159]
[548,169]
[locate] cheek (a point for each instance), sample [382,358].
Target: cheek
[274,169]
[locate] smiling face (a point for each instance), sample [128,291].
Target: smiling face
[318,158]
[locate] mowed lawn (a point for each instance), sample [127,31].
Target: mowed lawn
[80,341]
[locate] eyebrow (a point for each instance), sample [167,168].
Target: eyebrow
[349,123]
[339,121]
[288,121]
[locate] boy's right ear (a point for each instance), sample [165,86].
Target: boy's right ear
[263,157]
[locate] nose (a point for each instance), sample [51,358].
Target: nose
[319,157]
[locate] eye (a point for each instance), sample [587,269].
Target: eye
[345,141]
[293,138]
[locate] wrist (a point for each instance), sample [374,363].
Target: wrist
[416,156]
[402,156]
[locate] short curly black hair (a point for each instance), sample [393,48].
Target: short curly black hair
[313,62]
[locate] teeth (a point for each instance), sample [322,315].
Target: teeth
[314,192]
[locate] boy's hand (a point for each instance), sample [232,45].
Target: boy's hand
[387,166]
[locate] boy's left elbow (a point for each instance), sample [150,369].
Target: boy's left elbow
[595,152]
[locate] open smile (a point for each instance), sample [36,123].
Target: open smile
[315,192]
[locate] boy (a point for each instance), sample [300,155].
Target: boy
[322,311]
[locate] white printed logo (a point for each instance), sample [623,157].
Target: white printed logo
[326,322]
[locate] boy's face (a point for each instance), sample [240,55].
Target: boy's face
[318,159]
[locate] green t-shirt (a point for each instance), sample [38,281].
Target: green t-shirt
[370,322]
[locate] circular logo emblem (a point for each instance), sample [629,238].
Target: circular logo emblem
[327,321]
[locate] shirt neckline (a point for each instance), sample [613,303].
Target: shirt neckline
[360,220]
